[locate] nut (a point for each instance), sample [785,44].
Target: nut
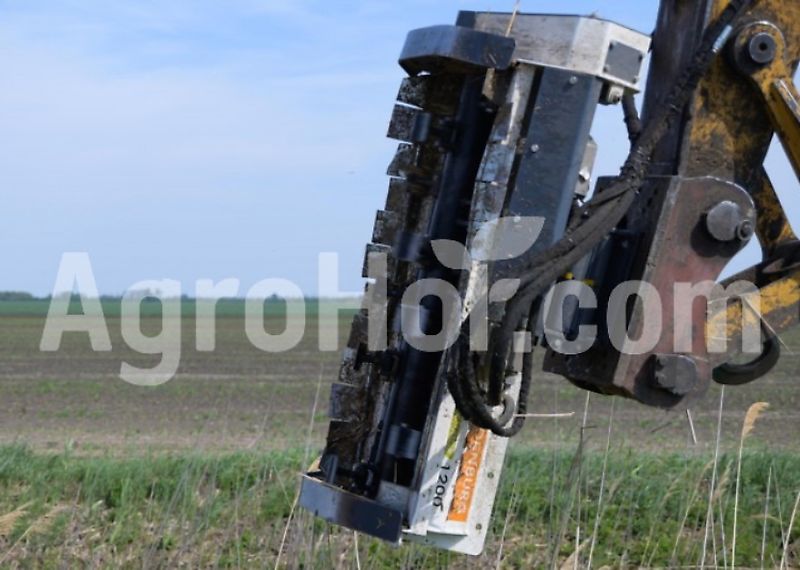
[762,48]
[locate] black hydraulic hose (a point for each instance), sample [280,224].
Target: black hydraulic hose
[469,399]
[632,120]
[740,374]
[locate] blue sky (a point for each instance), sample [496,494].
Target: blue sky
[189,139]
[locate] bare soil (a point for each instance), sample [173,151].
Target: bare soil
[240,398]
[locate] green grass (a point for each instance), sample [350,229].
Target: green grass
[234,511]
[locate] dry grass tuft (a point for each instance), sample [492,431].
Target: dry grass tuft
[750,419]
[43,524]
[9,521]
[755,412]
[574,559]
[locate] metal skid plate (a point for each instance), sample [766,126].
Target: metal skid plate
[358,513]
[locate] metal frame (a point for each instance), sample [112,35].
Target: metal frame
[545,96]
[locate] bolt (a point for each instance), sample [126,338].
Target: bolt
[535,148]
[723,221]
[746,230]
[677,374]
[573,80]
[762,48]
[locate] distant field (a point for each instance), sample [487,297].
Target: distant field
[150,307]
[239,397]
[79,444]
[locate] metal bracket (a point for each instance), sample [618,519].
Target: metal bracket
[456,49]
[586,45]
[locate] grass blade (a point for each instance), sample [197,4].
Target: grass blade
[710,511]
[788,540]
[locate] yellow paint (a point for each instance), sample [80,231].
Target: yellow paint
[728,128]
[774,298]
[782,100]
[773,226]
[452,437]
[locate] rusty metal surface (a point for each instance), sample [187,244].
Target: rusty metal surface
[680,250]
[684,251]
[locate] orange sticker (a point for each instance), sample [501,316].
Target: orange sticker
[468,472]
